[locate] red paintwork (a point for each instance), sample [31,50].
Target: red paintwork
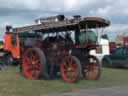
[90,71]
[68,67]
[125,40]
[31,65]
[112,45]
[13,49]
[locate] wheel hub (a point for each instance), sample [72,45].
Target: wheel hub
[70,69]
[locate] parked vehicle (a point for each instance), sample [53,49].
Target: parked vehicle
[2,55]
[118,58]
[45,49]
[111,46]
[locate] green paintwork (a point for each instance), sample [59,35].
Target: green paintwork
[87,35]
[119,58]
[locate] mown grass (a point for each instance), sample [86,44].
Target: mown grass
[12,83]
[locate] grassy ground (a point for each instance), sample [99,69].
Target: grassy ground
[14,84]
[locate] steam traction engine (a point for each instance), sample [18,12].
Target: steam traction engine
[47,48]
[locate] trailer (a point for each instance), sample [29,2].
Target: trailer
[46,48]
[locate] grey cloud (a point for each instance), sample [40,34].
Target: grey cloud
[25,11]
[104,8]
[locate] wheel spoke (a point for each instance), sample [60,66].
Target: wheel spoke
[70,73]
[37,67]
[31,64]
[34,73]
[92,71]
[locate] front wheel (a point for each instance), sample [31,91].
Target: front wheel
[70,69]
[91,71]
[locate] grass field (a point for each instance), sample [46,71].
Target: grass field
[12,83]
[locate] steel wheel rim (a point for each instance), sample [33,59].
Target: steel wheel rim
[69,70]
[91,71]
[31,65]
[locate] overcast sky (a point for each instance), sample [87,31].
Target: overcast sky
[23,12]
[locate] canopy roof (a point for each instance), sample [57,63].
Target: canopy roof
[66,25]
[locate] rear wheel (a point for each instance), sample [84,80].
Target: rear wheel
[34,64]
[92,70]
[70,69]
